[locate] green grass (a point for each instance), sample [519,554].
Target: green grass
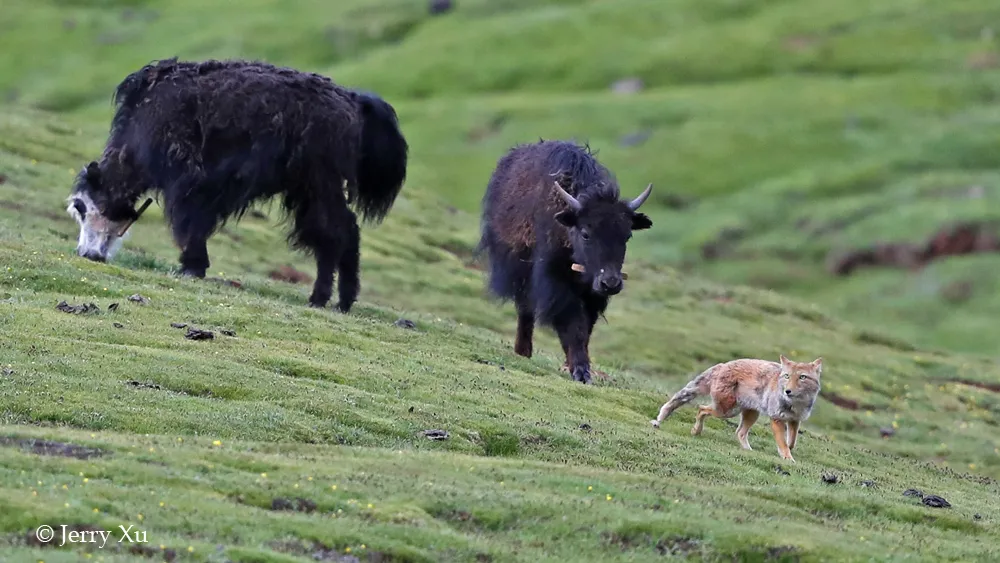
[778,118]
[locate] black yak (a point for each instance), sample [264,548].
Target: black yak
[215,137]
[549,206]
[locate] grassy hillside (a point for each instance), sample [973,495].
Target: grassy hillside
[248,447]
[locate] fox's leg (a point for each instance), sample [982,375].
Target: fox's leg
[780,429]
[699,420]
[747,419]
[792,434]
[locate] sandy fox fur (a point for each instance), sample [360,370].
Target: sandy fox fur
[785,391]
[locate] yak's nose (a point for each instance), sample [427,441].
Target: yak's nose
[96,257]
[611,285]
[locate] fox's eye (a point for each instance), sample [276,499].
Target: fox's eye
[788,376]
[802,376]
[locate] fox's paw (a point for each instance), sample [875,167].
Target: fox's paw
[655,423]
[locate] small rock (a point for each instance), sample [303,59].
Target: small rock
[118,325]
[913,493]
[438,7]
[585,427]
[935,501]
[781,470]
[178,325]
[627,86]
[409,409]
[228,332]
[977,516]
[136,298]
[886,431]
[436,434]
[405,323]
[7,371]
[112,307]
[633,139]
[198,334]
[868,484]
[830,478]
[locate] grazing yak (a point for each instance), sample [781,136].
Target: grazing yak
[550,208]
[214,137]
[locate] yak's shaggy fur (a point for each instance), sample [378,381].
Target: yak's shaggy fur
[533,231]
[215,137]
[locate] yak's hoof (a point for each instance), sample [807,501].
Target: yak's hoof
[582,375]
[344,307]
[193,273]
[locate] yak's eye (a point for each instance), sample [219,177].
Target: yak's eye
[80,208]
[585,235]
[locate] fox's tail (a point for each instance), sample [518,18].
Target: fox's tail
[695,387]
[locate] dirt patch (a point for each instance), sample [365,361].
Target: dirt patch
[316,551]
[10,205]
[141,385]
[294,505]
[82,309]
[289,274]
[671,546]
[722,245]
[168,555]
[488,129]
[231,283]
[845,403]
[44,447]
[951,240]
[782,553]
[994,387]
[678,545]
[867,337]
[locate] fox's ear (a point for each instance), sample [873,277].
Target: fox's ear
[783,359]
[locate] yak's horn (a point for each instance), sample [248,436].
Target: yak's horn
[635,203]
[138,214]
[573,203]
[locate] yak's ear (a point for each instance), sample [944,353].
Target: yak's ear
[566,218]
[640,221]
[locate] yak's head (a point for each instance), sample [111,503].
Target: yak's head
[599,230]
[103,219]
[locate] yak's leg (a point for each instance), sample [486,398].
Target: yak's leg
[191,229]
[327,259]
[592,318]
[525,327]
[321,227]
[349,283]
[572,333]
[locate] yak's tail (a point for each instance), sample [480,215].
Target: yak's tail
[382,168]
[695,387]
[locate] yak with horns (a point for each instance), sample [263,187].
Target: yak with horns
[555,232]
[214,137]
